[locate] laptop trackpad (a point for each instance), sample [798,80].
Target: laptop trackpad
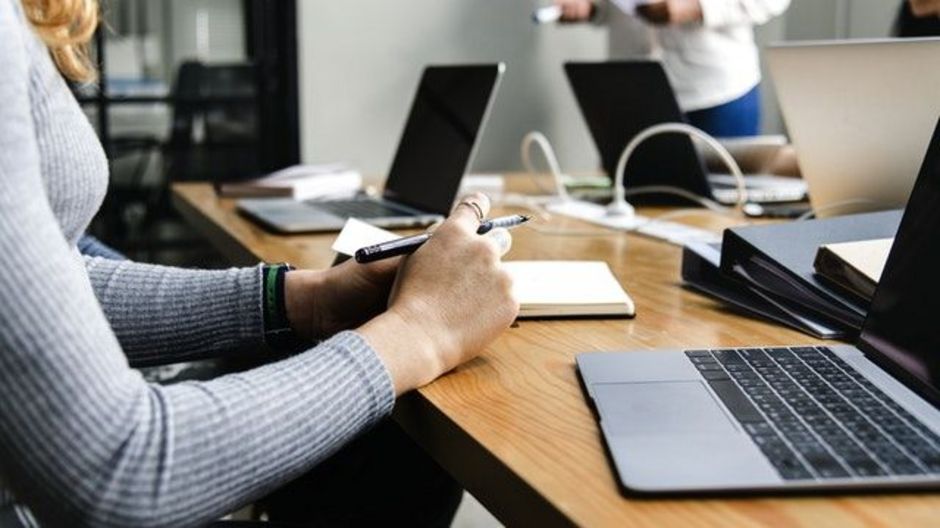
[654,408]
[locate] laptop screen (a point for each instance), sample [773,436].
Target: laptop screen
[620,99]
[440,135]
[902,332]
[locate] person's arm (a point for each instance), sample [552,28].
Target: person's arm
[164,315]
[711,13]
[925,8]
[83,439]
[720,13]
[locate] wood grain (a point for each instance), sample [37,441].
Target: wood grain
[513,425]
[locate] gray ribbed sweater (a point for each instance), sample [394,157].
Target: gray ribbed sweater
[84,440]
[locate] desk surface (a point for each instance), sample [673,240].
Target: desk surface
[513,426]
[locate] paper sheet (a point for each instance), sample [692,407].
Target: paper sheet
[358,234]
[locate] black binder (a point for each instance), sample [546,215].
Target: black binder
[777,260]
[701,272]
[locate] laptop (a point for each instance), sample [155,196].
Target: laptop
[440,137]
[792,418]
[859,113]
[619,99]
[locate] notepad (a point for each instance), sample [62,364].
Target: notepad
[568,288]
[544,288]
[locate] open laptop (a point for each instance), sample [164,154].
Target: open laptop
[859,113]
[436,147]
[792,418]
[619,99]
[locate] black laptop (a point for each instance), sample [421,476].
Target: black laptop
[437,145]
[619,99]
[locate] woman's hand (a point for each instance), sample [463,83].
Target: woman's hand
[322,303]
[576,10]
[450,300]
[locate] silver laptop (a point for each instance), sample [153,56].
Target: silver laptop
[440,137]
[792,418]
[860,114]
[619,99]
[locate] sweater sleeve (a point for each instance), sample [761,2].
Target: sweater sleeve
[721,13]
[84,440]
[165,315]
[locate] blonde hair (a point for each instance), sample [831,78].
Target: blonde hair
[66,26]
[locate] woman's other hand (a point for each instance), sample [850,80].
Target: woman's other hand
[322,303]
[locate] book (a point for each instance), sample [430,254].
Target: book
[567,288]
[777,260]
[701,272]
[300,182]
[854,266]
[545,289]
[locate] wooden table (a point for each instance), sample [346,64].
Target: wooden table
[513,426]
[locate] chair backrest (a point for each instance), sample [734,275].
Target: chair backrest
[214,132]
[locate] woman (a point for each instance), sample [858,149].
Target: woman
[83,439]
[706,46]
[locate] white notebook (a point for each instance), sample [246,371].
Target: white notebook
[544,288]
[568,288]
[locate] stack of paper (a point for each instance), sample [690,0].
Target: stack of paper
[300,182]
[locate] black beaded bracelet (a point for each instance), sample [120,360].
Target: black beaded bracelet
[278,334]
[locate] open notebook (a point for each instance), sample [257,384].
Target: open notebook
[544,288]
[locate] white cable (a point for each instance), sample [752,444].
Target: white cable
[536,204]
[839,205]
[549,154]
[620,206]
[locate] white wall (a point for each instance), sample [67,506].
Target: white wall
[360,61]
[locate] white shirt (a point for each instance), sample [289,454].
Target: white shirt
[708,63]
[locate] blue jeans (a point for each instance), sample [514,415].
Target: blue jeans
[737,118]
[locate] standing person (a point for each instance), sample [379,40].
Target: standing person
[84,440]
[706,46]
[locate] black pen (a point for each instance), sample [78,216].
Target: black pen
[408,245]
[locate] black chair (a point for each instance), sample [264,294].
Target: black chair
[214,136]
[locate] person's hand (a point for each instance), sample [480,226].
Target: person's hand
[450,300]
[322,303]
[925,8]
[671,12]
[576,10]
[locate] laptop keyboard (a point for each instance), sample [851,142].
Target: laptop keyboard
[815,417]
[358,208]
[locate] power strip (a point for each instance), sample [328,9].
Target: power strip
[671,232]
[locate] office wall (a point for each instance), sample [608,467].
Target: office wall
[360,61]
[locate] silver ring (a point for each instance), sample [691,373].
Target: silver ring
[476,209]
